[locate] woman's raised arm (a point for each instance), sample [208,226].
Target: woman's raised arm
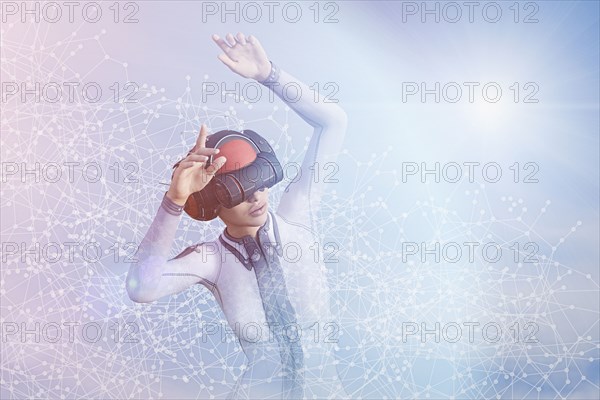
[246,57]
[152,276]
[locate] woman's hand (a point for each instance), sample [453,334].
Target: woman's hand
[191,175]
[244,56]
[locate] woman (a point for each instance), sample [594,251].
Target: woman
[262,269]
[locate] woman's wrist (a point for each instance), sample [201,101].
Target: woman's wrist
[273,75]
[179,202]
[264,72]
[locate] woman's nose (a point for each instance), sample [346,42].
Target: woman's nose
[252,198]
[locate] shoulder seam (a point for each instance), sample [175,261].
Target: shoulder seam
[295,223]
[202,280]
[192,249]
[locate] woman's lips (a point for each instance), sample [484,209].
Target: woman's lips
[259,211]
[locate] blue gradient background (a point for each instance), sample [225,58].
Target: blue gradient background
[368,53]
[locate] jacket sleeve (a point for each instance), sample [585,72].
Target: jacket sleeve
[152,276]
[302,196]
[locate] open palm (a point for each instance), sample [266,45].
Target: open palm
[244,56]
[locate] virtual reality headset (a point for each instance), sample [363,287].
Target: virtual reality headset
[228,189]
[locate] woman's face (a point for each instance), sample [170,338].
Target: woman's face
[250,213]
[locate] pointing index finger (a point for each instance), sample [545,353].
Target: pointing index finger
[201,140]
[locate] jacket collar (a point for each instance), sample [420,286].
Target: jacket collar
[246,248]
